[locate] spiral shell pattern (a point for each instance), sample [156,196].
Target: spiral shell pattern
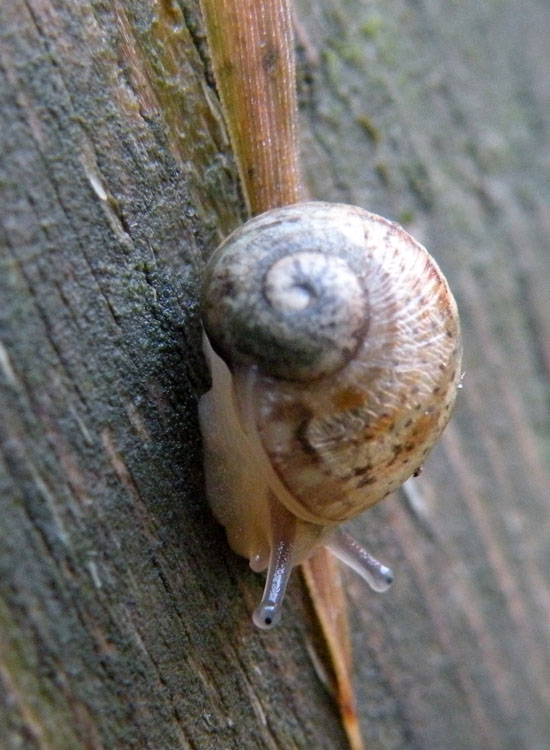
[354,339]
[288,294]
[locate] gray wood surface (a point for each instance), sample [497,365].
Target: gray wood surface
[124,618]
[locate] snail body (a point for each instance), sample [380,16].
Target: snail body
[334,346]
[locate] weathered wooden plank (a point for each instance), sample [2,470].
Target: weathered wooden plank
[124,619]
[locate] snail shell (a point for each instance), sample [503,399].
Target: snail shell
[334,345]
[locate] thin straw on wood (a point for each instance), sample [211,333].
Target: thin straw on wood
[252,49]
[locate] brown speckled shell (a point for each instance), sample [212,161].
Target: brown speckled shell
[344,441]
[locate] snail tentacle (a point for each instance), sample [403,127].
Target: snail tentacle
[283,525]
[355,556]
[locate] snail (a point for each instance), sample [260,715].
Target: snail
[333,342]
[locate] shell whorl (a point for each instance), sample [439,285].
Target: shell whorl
[338,440]
[288,293]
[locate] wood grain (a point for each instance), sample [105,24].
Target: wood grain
[124,618]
